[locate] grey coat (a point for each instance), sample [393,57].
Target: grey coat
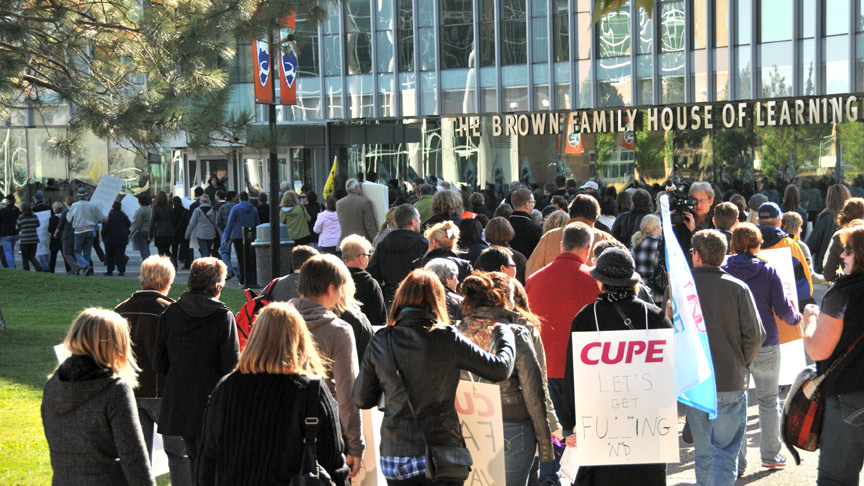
[203,223]
[91,423]
[356,217]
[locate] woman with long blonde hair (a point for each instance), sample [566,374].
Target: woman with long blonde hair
[443,240]
[295,218]
[254,423]
[88,408]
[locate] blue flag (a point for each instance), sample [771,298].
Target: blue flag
[694,370]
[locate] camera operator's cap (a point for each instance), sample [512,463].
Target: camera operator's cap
[769,210]
[615,267]
[590,185]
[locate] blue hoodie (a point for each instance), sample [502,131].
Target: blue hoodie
[243,215]
[767,292]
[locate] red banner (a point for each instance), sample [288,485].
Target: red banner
[263,73]
[288,63]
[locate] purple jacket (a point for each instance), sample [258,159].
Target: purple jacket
[767,291]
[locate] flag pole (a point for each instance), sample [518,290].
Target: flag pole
[274,162]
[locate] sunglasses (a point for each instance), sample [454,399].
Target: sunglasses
[848,250]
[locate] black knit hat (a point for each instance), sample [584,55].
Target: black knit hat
[615,267]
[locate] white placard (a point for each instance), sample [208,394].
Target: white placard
[378,194]
[186,202]
[370,471]
[479,409]
[625,405]
[44,246]
[781,260]
[129,204]
[570,463]
[106,193]
[61,352]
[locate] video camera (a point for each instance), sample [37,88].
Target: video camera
[679,203]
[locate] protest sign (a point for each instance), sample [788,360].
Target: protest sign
[370,472]
[377,193]
[479,409]
[43,248]
[625,405]
[129,204]
[106,193]
[570,463]
[694,370]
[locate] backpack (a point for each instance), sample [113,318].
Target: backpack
[246,316]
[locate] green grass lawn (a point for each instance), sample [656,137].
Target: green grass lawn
[38,309]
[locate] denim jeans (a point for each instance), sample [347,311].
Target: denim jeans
[69,256]
[139,239]
[175,449]
[520,444]
[9,249]
[766,374]
[842,445]
[550,472]
[205,247]
[225,254]
[83,248]
[717,442]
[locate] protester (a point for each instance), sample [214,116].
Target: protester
[471,239]
[321,283]
[767,290]
[443,238]
[142,311]
[254,423]
[56,243]
[285,287]
[699,219]
[421,405]
[214,185]
[355,212]
[648,253]
[735,336]
[497,259]
[478,205]
[225,202]
[773,237]
[180,251]
[395,256]
[88,408]
[202,227]
[527,232]
[446,206]
[162,228]
[523,399]
[66,233]
[243,215]
[792,224]
[295,218]
[263,208]
[387,226]
[327,227]
[309,200]
[826,223]
[196,201]
[141,227]
[424,202]
[499,233]
[348,309]
[740,203]
[725,219]
[555,219]
[26,227]
[827,335]
[85,218]
[792,201]
[196,345]
[8,234]
[448,273]
[356,253]
[115,234]
[853,209]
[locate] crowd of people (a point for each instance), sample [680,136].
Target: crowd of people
[465,286]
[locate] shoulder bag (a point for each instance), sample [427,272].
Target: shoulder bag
[805,407]
[443,462]
[311,473]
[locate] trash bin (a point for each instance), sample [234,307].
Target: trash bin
[261,246]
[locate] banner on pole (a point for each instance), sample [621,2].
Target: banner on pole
[288,61]
[330,185]
[263,72]
[625,408]
[694,370]
[479,409]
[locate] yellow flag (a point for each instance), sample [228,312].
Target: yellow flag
[330,185]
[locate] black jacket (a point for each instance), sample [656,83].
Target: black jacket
[362,329]
[528,232]
[161,223]
[8,218]
[464,265]
[253,430]
[370,295]
[54,223]
[440,218]
[196,345]
[626,225]
[180,218]
[394,258]
[67,232]
[115,230]
[143,311]
[419,349]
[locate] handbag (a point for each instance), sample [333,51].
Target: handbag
[311,473]
[805,407]
[443,462]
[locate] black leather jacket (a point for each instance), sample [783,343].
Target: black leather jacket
[522,395]
[429,360]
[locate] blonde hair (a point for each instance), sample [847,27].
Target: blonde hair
[445,234]
[648,223]
[157,272]
[104,336]
[353,246]
[346,299]
[555,219]
[289,199]
[280,344]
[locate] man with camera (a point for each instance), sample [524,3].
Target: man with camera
[699,218]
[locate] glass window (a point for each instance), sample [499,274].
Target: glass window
[385,51]
[776,20]
[406,35]
[384,15]
[333,92]
[614,80]
[408,91]
[836,17]
[745,14]
[583,45]
[700,75]
[585,93]
[807,69]
[487,33]
[775,63]
[836,64]
[457,34]
[561,35]
[613,33]
[700,24]
[646,32]
[427,49]
[428,94]
[306,38]
[358,36]
[513,34]
[541,97]
[721,23]
[332,55]
[745,74]
[672,26]
[808,18]
[240,66]
[721,73]
[539,42]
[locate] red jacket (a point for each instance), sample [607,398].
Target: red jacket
[557,292]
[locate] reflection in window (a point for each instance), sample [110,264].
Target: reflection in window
[240,66]
[776,20]
[646,32]
[836,17]
[672,26]
[561,32]
[775,69]
[487,33]
[358,36]
[613,33]
[457,34]
[406,35]
[307,45]
[513,34]
[700,24]
[745,74]
[721,23]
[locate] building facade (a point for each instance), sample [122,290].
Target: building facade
[488,91]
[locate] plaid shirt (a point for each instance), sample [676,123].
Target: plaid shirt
[398,468]
[646,255]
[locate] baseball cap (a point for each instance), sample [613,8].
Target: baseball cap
[590,185]
[769,210]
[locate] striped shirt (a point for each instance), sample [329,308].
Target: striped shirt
[26,227]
